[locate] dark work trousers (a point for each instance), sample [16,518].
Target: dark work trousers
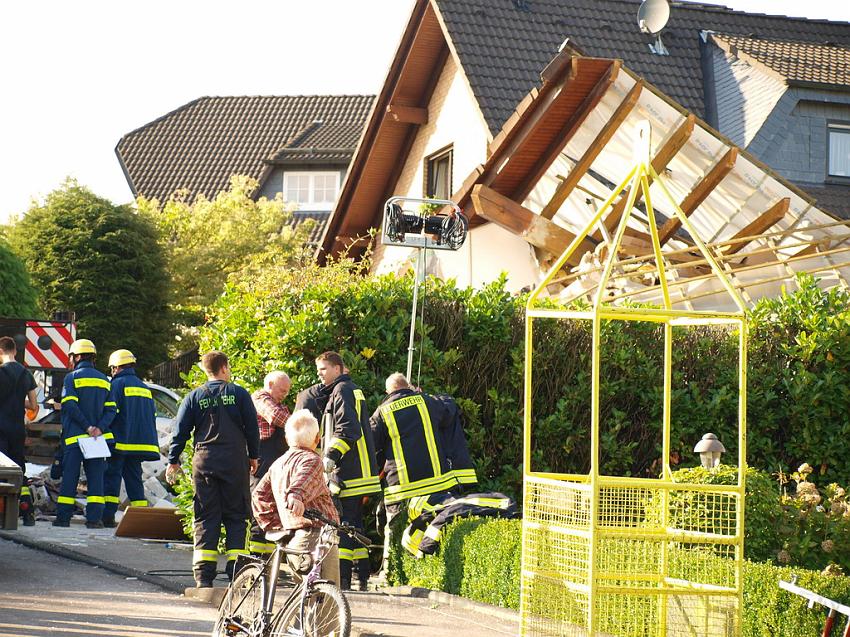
[95,468]
[12,445]
[350,550]
[220,498]
[129,468]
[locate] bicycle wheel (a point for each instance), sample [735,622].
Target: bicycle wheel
[242,604]
[326,614]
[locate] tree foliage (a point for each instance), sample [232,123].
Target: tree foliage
[17,295]
[103,262]
[208,241]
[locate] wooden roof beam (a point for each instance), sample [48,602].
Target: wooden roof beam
[700,193]
[407,114]
[662,158]
[568,130]
[760,225]
[566,187]
[539,232]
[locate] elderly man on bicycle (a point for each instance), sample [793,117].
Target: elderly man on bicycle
[293,483]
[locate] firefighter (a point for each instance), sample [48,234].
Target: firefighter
[454,442]
[349,458]
[134,429]
[223,420]
[17,393]
[409,449]
[271,420]
[87,411]
[314,399]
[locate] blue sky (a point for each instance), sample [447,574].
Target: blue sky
[77,75]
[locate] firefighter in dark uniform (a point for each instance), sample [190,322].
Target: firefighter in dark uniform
[349,458]
[87,411]
[17,393]
[409,448]
[454,441]
[272,415]
[223,420]
[314,399]
[134,429]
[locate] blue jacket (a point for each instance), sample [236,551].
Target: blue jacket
[86,402]
[134,426]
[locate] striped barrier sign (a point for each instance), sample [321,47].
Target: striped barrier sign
[48,344]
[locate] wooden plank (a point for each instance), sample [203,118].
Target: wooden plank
[566,187]
[664,156]
[567,131]
[154,523]
[699,193]
[536,230]
[408,114]
[760,225]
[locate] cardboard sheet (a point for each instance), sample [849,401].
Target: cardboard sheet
[147,522]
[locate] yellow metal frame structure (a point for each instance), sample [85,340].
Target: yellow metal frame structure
[632,557]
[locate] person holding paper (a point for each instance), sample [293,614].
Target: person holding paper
[87,412]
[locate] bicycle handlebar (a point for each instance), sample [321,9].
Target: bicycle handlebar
[350,531]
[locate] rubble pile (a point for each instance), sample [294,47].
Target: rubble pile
[45,490]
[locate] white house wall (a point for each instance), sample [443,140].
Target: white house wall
[454,119]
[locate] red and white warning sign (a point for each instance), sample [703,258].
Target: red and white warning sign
[48,343]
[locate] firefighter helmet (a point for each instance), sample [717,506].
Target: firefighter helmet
[121,357]
[83,346]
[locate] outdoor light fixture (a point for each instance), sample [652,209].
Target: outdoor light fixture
[709,450]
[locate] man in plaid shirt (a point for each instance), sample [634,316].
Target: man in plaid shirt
[296,482]
[271,418]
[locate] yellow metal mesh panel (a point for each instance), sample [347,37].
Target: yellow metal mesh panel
[665,560]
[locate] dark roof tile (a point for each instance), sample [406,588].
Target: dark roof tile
[504,44]
[201,144]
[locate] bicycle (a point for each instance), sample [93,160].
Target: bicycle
[314,608]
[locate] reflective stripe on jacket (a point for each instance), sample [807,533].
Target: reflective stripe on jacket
[86,402]
[134,426]
[409,447]
[351,446]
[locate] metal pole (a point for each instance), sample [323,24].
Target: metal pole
[410,347]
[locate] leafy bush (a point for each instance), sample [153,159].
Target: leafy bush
[103,262]
[17,296]
[483,558]
[473,348]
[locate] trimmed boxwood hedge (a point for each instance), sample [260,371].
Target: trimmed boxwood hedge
[480,559]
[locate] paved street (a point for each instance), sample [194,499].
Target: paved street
[42,594]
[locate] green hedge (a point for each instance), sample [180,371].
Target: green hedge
[798,389]
[480,559]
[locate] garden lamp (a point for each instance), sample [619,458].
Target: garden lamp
[709,450]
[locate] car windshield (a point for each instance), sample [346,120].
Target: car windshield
[166,406]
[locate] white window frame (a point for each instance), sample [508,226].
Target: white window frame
[312,203]
[842,128]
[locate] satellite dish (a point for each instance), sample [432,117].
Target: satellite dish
[653,15]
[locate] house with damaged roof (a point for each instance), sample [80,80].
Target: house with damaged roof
[524,112]
[299,146]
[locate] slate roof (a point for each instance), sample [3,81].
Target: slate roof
[201,144]
[504,44]
[798,62]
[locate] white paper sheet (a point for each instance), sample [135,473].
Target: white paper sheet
[94,448]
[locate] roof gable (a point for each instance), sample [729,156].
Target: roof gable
[799,63]
[201,144]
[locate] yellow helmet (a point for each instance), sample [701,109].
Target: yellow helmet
[83,346]
[121,357]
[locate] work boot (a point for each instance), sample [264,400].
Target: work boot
[61,522]
[345,583]
[363,585]
[202,583]
[109,523]
[96,524]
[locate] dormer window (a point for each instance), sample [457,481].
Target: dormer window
[838,145]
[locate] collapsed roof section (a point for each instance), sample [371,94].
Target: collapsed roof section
[561,154]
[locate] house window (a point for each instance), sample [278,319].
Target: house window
[311,190]
[839,150]
[438,175]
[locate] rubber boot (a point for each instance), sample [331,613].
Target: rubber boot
[345,574]
[205,573]
[363,571]
[26,508]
